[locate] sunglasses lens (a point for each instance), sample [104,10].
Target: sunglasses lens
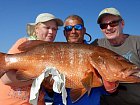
[111,24]
[103,26]
[78,27]
[68,28]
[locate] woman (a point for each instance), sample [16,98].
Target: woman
[16,92]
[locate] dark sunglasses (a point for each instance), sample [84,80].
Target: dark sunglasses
[111,24]
[76,27]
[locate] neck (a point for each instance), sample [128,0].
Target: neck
[119,40]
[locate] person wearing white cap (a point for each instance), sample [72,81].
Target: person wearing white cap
[44,28]
[112,24]
[16,92]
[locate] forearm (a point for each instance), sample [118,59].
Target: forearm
[9,78]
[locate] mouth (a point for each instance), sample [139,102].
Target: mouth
[73,37]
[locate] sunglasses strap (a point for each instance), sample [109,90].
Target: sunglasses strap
[90,38]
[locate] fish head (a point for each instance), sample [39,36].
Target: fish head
[121,69]
[113,67]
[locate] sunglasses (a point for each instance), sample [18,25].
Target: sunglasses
[76,27]
[111,24]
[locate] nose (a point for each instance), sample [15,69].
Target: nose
[108,27]
[73,30]
[50,30]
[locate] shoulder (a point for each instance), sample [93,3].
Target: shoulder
[21,40]
[14,48]
[134,37]
[98,41]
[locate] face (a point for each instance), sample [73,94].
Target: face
[76,34]
[46,31]
[112,26]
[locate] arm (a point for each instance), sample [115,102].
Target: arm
[9,78]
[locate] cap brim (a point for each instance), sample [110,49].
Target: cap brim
[58,21]
[100,17]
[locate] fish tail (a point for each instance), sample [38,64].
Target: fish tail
[2,64]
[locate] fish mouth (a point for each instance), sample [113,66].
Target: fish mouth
[132,77]
[135,73]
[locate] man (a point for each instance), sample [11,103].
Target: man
[111,24]
[74,31]
[14,91]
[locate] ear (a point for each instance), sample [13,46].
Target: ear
[84,30]
[122,23]
[64,33]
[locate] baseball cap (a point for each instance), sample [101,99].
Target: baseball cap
[111,11]
[43,17]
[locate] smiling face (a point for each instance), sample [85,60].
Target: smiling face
[112,26]
[46,31]
[76,34]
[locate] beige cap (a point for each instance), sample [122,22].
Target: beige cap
[111,11]
[43,17]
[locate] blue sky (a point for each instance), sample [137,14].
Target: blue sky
[15,14]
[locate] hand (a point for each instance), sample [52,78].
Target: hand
[41,98]
[110,86]
[48,83]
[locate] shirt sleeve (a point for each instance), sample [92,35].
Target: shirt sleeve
[95,42]
[14,48]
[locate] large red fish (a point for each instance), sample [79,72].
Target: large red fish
[83,65]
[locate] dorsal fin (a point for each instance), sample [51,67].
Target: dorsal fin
[26,46]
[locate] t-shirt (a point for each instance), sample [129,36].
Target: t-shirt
[14,95]
[92,99]
[128,94]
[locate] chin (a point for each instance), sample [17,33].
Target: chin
[49,40]
[110,37]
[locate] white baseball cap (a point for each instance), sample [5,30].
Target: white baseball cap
[111,11]
[43,17]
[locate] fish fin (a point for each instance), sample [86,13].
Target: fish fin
[87,80]
[76,94]
[24,75]
[2,64]
[2,73]
[26,46]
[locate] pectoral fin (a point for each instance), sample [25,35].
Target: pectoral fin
[24,75]
[87,81]
[2,72]
[76,94]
